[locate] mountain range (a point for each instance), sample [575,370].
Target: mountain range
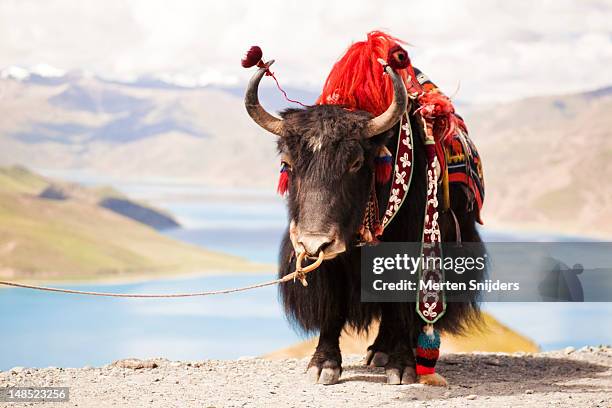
[548,163]
[546,159]
[142,129]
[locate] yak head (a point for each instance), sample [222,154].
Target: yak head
[329,152]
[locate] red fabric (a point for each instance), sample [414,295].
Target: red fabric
[422,370]
[357,81]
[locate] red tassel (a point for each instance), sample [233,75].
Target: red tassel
[283,183]
[383,170]
[252,57]
[384,165]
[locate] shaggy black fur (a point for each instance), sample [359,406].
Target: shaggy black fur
[329,189]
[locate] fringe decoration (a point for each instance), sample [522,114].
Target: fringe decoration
[283,180]
[428,351]
[384,165]
[371,227]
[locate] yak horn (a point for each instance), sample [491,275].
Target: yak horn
[251,101]
[394,112]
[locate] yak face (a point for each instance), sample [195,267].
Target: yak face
[330,152]
[331,170]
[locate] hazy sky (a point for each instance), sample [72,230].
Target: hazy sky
[497,50]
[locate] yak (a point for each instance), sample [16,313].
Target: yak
[330,152]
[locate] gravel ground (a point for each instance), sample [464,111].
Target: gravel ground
[576,378]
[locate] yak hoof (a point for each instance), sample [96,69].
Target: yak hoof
[379,359]
[327,374]
[313,374]
[432,379]
[394,376]
[409,376]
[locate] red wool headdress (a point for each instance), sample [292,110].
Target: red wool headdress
[357,81]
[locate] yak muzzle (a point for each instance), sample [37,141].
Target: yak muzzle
[312,243]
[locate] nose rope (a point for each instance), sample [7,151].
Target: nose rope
[299,273]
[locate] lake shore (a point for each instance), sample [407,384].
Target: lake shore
[560,378]
[121,279]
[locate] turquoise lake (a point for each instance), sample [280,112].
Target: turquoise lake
[45,329]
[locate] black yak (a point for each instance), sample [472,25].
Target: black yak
[329,153]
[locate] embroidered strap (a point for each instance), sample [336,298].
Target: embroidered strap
[431,303]
[402,171]
[371,227]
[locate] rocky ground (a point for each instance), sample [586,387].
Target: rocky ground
[576,378]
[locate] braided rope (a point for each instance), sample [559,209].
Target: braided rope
[299,273]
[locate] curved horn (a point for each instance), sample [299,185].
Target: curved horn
[256,111]
[394,112]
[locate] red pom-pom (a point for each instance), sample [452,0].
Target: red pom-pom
[398,58]
[252,57]
[434,104]
[438,108]
[283,183]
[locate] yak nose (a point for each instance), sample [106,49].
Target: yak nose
[313,243]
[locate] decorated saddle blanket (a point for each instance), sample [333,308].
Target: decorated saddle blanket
[459,155]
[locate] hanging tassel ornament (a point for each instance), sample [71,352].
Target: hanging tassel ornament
[384,165]
[428,350]
[254,57]
[283,180]
[371,227]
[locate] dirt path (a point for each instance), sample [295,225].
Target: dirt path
[581,378]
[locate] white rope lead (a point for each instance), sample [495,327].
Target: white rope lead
[299,273]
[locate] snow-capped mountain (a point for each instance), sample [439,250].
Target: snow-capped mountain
[544,157]
[147,127]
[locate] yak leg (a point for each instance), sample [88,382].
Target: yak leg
[394,346]
[378,352]
[325,365]
[400,369]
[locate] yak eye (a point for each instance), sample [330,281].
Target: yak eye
[285,161]
[285,166]
[356,165]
